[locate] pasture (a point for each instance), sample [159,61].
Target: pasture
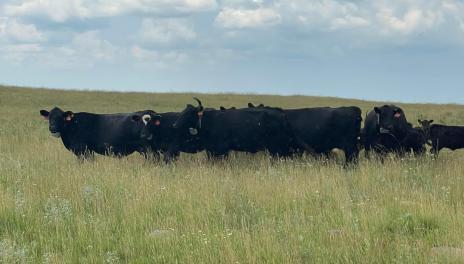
[247,209]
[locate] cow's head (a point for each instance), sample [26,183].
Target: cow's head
[58,120]
[151,121]
[190,119]
[425,125]
[391,120]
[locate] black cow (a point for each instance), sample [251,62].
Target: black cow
[414,141]
[251,105]
[163,137]
[324,128]
[386,129]
[441,136]
[105,134]
[221,131]
[223,108]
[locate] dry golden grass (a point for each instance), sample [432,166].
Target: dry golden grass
[248,209]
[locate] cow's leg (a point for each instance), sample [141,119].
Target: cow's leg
[151,155]
[217,155]
[279,152]
[419,151]
[217,151]
[171,154]
[82,152]
[351,155]
[326,155]
[85,155]
[367,151]
[435,149]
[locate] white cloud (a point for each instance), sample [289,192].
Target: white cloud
[348,21]
[325,14]
[90,45]
[248,18]
[166,31]
[157,58]
[412,20]
[242,3]
[62,10]
[17,53]
[164,24]
[12,30]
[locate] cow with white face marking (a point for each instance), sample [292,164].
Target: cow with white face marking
[221,131]
[105,134]
[165,138]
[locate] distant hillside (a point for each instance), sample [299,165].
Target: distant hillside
[34,99]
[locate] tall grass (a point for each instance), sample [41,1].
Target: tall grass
[248,209]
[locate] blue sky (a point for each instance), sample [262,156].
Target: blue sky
[408,50]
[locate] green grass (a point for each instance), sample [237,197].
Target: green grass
[248,209]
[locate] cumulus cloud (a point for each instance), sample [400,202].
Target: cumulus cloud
[166,31]
[414,19]
[323,15]
[348,21]
[157,58]
[248,18]
[12,30]
[17,53]
[90,45]
[158,30]
[62,10]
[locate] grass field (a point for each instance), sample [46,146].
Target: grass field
[248,209]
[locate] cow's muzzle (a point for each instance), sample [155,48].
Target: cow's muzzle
[146,136]
[384,131]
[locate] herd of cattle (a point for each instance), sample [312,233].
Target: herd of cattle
[280,132]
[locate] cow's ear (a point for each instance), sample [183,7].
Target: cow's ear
[377,110]
[250,105]
[45,114]
[222,108]
[431,121]
[68,116]
[157,120]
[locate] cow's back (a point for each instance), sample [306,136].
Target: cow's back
[451,137]
[325,128]
[244,129]
[103,133]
